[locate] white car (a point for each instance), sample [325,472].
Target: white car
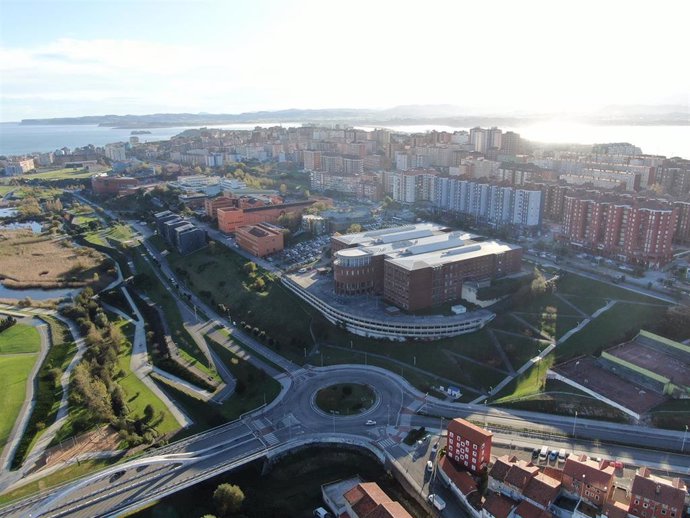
[429,466]
[370,422]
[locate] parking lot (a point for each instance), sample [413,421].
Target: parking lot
[302,254]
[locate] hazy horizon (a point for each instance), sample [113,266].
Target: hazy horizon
[77,58]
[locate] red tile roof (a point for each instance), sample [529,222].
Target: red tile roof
[501,466]
[520,474]
[389,510]
[498,505]
[365,497]
[584,469]
[669,492]
[469,431]
[462,479]
[542,489]
[528,510]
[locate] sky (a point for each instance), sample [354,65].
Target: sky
[69,58]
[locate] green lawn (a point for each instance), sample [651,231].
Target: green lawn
[60,174]
[14,370]
[138,394]
[254,387]
[619,323]
[166,302]
[59,477]
[345,398]
[216,274]
[20,338]
[674,415]
[119,232]
[49,390]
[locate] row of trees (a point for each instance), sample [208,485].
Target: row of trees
[6,323]
[94,383]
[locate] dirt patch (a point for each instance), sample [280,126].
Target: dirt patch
[46,261]
[105,438]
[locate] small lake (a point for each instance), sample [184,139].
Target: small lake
[34,226]
[36,294]
[8,213]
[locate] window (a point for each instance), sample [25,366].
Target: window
[645,505]
[474,446]
[637,501]
[663,511]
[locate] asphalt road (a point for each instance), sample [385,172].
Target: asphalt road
[290,421]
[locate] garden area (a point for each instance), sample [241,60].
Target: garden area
[345,399]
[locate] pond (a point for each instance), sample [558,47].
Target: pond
[36,294]
[8,213]
[34,226]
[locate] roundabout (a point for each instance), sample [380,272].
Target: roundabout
[345,400]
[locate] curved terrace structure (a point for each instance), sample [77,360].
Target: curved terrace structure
[365,316]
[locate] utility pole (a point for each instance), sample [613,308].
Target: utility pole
[575,422]
[682,448]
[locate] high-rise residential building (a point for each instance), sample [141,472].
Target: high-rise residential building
[494,138]
[624,229]
[510,143]
[682,234]
[332,163]
[353,165]
[469,445]
[312,160]
[115,152]
[479,139]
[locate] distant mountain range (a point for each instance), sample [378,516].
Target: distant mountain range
[449,115]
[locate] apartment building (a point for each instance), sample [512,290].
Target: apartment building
[656,497]
[180,233]
[631,231]
[469,445]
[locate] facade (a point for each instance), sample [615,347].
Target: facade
[229,219]
[211,205]
[656,497]
[417,266]
[633,232]
[260,240]
[510,143]
[179,233]
[103,184]
[19,167]
[468,445]
[115,152]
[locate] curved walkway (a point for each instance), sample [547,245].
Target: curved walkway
[27,408]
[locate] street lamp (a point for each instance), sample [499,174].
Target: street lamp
[685,434]
[575,422]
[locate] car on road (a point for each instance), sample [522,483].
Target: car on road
[429,466]
[437,502]
[434,447]
[115,476]
[370,422]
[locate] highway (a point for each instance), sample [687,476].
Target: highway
[293,420]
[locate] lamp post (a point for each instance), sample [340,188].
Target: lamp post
[685,434]
[574,423]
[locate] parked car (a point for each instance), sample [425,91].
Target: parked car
[562,455]
[434,447]
[553,455]
[535,453]
[437,502]
[543,453]
[429,466]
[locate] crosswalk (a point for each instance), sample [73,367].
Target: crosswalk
[387,442]
[271,438]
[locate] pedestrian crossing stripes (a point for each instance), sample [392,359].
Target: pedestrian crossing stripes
[271,439]
[387,443]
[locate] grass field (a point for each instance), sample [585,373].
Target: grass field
[20,338]
[138,394]
[14,370]
[217,276]
[60,174]
[166,302]
[345,399]
[49,390]
[254,387]
[57,478]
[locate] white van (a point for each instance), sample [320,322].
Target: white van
[437,502]
[543,453]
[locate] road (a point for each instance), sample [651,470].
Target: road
[293,419]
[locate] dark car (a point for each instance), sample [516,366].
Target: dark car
[116,476]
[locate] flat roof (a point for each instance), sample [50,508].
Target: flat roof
[456,252]
[390,235]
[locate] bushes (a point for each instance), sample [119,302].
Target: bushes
[6,323]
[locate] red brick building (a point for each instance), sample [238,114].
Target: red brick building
[468,445]
[587,479]
[112,184]
[417,266]
[260,240]
[368,500]
[655,497]
[231,218]
[624,229]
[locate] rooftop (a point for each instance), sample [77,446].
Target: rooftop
[389,235]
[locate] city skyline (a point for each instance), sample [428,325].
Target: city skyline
[92,58]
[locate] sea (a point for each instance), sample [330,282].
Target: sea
[18,139]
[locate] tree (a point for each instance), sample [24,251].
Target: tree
[355,227]
[283,189]
[228,499]
[250,267]
[149,413]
